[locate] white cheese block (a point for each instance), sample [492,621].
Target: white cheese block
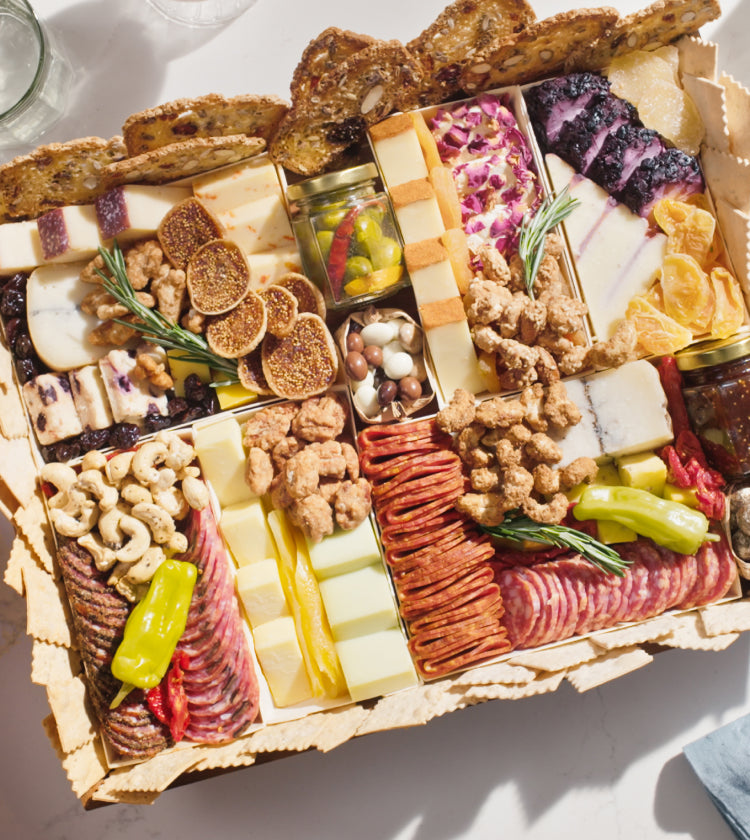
[260,225]
[420,220]
[615,256]
[130,398]
[344,551]
[400,158]
[260,590]
[69,233]
[581,440]
[222,457]
[20,247]
[434,282]
[454,359]
[236,185]
[358,603]
[57,326]
[245,530]
[376,664]
[280,657]
[51,407]
[134,211]
[90,397]
[269,267]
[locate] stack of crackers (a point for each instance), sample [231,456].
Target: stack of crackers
[344,83]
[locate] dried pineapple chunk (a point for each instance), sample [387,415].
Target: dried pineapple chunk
[670,111]
[632,74]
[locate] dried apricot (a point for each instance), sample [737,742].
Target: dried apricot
[669,214]
[657,332]
[729,311]
[695,237]
[688,295]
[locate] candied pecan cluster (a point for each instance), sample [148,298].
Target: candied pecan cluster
[294,452]
[511,456]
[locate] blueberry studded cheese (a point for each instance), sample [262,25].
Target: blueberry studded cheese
[50,403]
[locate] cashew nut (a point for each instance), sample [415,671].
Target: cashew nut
[180,453]
[172,501]
[118,466]
[143,570]
[139,539]
[92,481]
[166,478]
[104,558]
[145,459]
[132,492]
[109,527]
[188,471]
[158,520]
[178,542]
[77,523]
[195,492]
[62,477]
[94,460]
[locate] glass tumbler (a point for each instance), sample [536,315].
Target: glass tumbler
[201,12]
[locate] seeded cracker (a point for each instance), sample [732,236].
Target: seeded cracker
[204,116]
[55,175]
[457,34]
[537,51]
[183,159]
[612,665]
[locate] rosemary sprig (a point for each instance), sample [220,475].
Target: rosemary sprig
[534,228]
[519,528]
[158,329]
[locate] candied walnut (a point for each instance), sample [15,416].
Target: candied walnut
[547,513]
[583,469]
[517,280]
[546,479]
[517,357]
[331,461]
[494,265]
[485,479]
[485,508]
[486,338]
[532,320]
[112,333]
[194,321]
[352,460]
[499,413]
[150,364]
[143,263]
[549,279]
[518,434]
[101,303]
[94,299]
[458,414]
[468,448]
[313,515]
[170,289]
[564,314]
[617,350]
[301,473]
[352,503]
[258,471]
[269,426]
[541,448]
[532,399]
[328,488]
[284,450]
[546,367]
[90,272]
[517,484]
[553,245]
[485,301]
[559,408]
[319,419]
[507,454]
[280,498]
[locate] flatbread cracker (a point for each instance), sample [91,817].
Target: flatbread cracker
[708,97]
[541,685]
[500,672]
[737,98]
[557,658]
[56,175]
[726,618]
[46,616]
[735,226]
[18,468]
[184,159]
[13,422]
[154,775]
[52,664]
[608,667]
[203,116]
[699,58]
[85,767]
[728,177]
[233,754]
[412,707]
[654,630]
[688,633]
[539,50]
[32,521]
[76,722]
[20,554]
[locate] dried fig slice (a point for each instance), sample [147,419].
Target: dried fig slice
[250,372]
[309,297]
[218,277]
[185,228]
[282,309]
[237,332]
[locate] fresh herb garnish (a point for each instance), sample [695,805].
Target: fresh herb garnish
[158,329]
[519,528]
[535,228]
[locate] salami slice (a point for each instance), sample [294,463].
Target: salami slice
[521,602]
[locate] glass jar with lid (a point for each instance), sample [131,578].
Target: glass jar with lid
[716,388]
[348,240]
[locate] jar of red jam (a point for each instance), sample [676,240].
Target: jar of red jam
[347,237]
[716,388]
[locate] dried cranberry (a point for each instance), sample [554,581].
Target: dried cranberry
[13,303]
[124,435]
[195,412]
[93,439]
[210,405]
[154,421]
[13,328]
[17,282]
[195,390]
[47,453]
[177,406]
[26,370]
[66,450]
[24,346]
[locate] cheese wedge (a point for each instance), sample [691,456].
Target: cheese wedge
[69,233]
[236,185]
[280,658]
[134,211]
[260,225]
[222,457]
[245,530]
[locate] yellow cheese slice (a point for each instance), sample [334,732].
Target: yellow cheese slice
[245,531]
[260,590]
[344,551]
[400,157]
[454,359]
[376,664]
[280,658]
[358,603]
[222,457]
[420,220]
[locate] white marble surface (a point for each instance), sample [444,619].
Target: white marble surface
[607,763]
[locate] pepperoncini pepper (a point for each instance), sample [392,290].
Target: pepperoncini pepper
[154,628]
[670,524]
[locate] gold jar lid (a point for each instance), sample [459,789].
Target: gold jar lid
[332,181]
[710,353]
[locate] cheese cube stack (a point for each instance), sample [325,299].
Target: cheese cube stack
[344,551]
[245,530]
[359,602]
[397,148]
[222,456]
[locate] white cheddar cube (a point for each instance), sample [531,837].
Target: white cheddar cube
[420,220]
[261,593]
[69,233]
[236,185]
[57,326]
[376,664]
[130,398]
[454,359]
[133,211]
[51,407]
[344,551]
[222,457]
[400,158]
[20,247]
[358,603]
[267,268]
[280,657]
[246,532]
[434,283]
[260,225]
[90,397]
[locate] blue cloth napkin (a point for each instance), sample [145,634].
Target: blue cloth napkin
[721,761]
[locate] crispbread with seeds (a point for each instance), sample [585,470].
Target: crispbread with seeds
[184,159]
[56,175]
[661,23]
[204,116]
[539,50]
[362,90]
[322,55]
[457,34]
